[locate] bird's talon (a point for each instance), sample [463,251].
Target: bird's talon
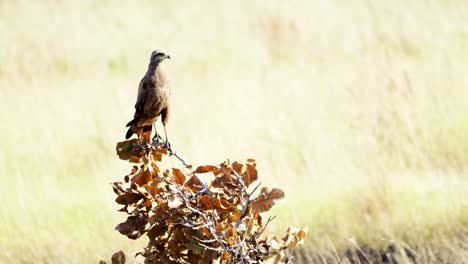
[169,147]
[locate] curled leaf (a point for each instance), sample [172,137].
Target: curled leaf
[125,149]
[179,176]
[153,188]
[134,226]
[128,198]
[194,184]
[251,161]
[156,231]
[266,199]
[205,169]
[116,186]
[118,258]
[251,175]
[157,155]
[134,159]
[142,178]
[238,167]
[294,236]
[209,203]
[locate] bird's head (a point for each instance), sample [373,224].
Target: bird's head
[158,56]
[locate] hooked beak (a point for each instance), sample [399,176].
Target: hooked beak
[168,57]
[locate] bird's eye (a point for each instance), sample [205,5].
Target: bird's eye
[157,55]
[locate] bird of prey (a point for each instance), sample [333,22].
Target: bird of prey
[153,98]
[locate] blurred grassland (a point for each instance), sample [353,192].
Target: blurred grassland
[357,109]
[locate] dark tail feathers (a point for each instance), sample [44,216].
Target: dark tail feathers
[129,131]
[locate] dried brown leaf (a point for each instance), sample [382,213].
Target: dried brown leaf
[205,169]
[134,159]
[226,170]
[294,236]
[253,161]
[224,180]
[153,188]
[125,149]
[251,175]
[128,198]
[156,231]
[224,256]
[143,178]
[179,176]
[259,219]
[194,184]
[209,203]
[133,227]
[207,232]
[266,199]
[116,186]
[163,151]
[148,203]
[238,167]
[157,156]
[234,216]
[232,234]
[118,258]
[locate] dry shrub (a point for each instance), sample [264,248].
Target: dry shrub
[190,220]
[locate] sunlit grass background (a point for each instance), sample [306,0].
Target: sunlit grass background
[357,109]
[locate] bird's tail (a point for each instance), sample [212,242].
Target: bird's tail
[130,129]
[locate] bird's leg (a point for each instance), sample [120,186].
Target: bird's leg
[167,141]
[156,135]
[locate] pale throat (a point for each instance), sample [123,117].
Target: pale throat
[159,76]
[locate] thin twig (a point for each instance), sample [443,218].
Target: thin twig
[212,227]
[157,143]
[171,151]
[266,224]
[175,154]
[247,203]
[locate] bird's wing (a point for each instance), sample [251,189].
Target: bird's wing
[141,99]
[165,113]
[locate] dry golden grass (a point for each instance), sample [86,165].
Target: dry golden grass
[358,109]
